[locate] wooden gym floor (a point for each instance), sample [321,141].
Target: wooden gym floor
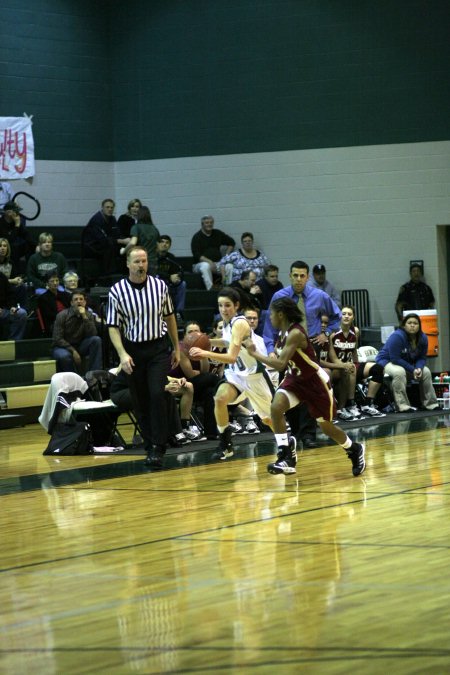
[107,567]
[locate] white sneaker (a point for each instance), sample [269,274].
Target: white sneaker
[236,428]
[354,411]
[344,415]
[251,427]
[372,411]
[193,433]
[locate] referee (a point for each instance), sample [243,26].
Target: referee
[140,320]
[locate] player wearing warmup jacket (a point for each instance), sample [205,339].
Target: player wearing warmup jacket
[304,382]
[245,377]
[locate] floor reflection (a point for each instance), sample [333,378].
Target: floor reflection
[196,455]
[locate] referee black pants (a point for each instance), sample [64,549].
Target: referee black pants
[147,383]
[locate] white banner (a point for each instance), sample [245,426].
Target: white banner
[16,148]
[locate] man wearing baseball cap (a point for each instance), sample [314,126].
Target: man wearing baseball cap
[320,281]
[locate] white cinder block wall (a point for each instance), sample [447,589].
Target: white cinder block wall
[362,211]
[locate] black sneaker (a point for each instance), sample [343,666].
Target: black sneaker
[223,452]
[155,458]
[287,459]
[355,454]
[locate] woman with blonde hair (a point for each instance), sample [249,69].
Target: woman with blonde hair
[127,220]
[16,281]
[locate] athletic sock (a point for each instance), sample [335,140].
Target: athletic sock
[281,439]
[347,443]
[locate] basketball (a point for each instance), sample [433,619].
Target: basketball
[200,340]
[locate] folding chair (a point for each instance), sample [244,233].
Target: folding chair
[359,299]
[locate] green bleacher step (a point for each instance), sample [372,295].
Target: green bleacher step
[9,421]
[26,372]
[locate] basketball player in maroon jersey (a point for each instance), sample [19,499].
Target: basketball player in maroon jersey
[342,353]
[304,382]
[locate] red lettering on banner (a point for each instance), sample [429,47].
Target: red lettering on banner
[13,147]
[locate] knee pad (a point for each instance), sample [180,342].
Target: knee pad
[377,373]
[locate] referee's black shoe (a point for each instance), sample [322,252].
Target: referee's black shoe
[155,457]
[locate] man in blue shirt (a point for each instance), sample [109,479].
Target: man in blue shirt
[314,303]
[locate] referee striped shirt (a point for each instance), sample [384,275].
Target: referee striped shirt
[139,311]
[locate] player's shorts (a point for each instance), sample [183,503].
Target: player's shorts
[315,392]
[257,388]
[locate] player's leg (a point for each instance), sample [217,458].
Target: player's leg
[286,461]
[225,394]
[355,451]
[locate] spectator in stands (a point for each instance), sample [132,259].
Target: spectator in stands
[415,294]
[13,228]
[269,285]
[404,357]
[248,291]
[127,220]
[313,303]
[172,273]
[44,261]
[52,302]
[13,319]
[204,382]
[206,247]
[75,336]
[9,269]
[6,193]
[320,281]
[252,315]
[245,259]
[71,282]
[144,233]
[98,239]
[256,319]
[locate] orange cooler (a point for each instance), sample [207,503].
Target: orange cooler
[429,321]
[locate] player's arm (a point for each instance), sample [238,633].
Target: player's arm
[186,366]
[218,342]
[239,333]
[131,242]
[295,340]
[335,362]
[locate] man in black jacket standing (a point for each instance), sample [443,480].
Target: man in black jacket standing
[172,273]
[98,237]
[415,294]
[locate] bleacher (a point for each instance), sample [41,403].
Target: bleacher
[26,367]
[25,372]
